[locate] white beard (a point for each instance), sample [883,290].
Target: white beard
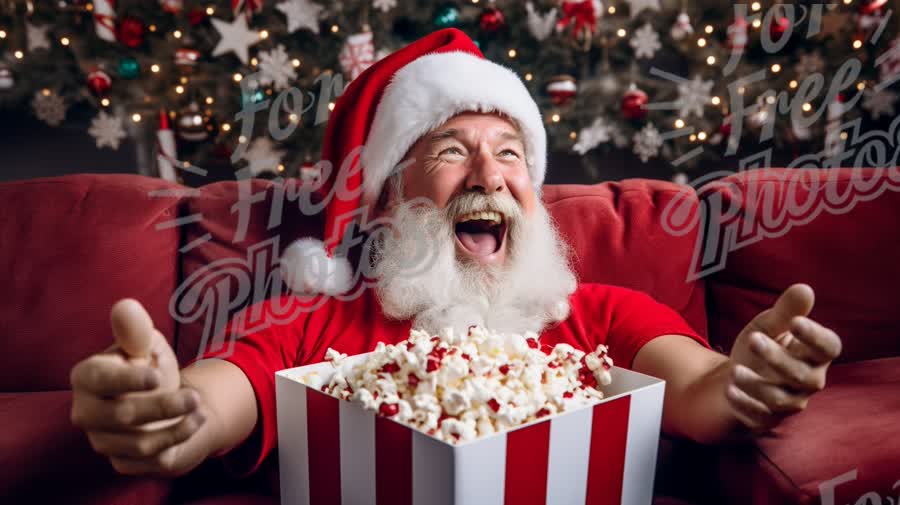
[419,276]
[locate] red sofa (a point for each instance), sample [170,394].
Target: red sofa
[76,244]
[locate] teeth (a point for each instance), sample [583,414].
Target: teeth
[485,216]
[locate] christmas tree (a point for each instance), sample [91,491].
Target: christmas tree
[248,84]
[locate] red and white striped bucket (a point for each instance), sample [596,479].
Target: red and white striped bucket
[333,452]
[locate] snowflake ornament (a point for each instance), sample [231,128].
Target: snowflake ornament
[645,42]
[384,5]
[37,37]
[592,136]
[276,68]
[262,156]
[301,14]
[540,25]
[809,64]
[637,6]
[880,103]
[647,142]
[49,108]
[107,130]
[693,95]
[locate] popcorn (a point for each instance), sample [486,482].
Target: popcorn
[457,387]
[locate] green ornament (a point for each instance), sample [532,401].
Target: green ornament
[129,68]
[446,16]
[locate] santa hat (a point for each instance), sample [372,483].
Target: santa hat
[379,117]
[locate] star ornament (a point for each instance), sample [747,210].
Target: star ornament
[37,37]
[301,14]
[235,38]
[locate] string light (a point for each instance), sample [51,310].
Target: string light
[701,42]
[848,2]
[19,55]
[254,61]
[179,89]
[715,100]
[281,167]
[330,105]
[89,7]
[45,92]
[264,34]
[793,84]
[843,135]
[237,77]
[857,44]
[755,6]
[104,102]
[757,23]
[701,136]
[334,28]
[807,107]
[152,28]
[154,68]
[612,9]
[177,34]
[136,117]
[710,60]
[209,100]
[679,123]
[64,41]
[692,138]
[210,10]
[512,53]
[184,80]
[555,118]
[741,90]
[621,32]
[770,99]
[708,29]
[776,68]
[242,139]
[860,86]
[2,34]
[293,118]
[226,127]
[528,76]
[295,62]
[573,135]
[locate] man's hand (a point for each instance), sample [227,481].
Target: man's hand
[779,360]
[132,404]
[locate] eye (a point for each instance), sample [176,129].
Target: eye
[507,152]
[450,150]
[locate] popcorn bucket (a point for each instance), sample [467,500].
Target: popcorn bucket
[335,452]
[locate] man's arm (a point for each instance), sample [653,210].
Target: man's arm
[778,361]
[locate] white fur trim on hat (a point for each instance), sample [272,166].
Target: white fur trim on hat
[433,88]
[307,268]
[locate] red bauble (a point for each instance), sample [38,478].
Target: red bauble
[491,20]
[196,16]
[779,26]
[99,82]
[562,89]
[869,7]
[130,32]
[633,104]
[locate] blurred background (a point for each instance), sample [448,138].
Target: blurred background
[628,88]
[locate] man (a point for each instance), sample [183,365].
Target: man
[463,135]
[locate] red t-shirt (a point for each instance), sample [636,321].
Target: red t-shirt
[621,318]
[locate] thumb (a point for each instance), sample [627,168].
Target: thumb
[132,328]
[797,300]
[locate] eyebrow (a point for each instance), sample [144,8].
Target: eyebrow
[455,133]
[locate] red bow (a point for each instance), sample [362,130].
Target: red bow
[252,6]
[582,13]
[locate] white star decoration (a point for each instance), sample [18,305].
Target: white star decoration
[37,37]
[262,156]
[636,6]
[276,68]
[645,42]
[301,14]
[592,136]
[107,130]
[879,103]
[236,38]
[540,25]
[693,96]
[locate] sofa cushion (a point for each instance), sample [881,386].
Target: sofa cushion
[76,244]
[51,462]
[833,229]
[851,426]
[234,222]
[629,234]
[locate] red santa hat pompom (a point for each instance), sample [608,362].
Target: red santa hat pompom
[385,110]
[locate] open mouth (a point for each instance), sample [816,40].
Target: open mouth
[481,233]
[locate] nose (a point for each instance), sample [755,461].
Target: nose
[485,174]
